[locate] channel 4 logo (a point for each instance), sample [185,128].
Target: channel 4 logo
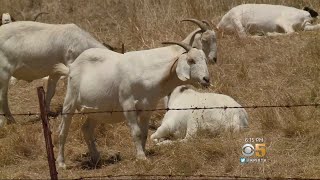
[253,153]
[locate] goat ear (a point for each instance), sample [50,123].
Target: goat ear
[312,12]
[183,68]
[216,29]
[197,42]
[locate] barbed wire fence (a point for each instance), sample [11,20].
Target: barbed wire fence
[186,177]
[44,114]
[172,109]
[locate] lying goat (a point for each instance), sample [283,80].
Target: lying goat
[267,19]
[184,124]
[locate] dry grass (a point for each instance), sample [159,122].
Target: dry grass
[273,70]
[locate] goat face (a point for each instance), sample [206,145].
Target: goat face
[209,45]
[207,42]
[6,18]
[312,12]
[192,67]
[205,39]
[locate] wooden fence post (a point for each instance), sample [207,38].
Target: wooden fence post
[47,134]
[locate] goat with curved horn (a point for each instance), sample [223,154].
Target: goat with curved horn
[173,69]
[202,25]
[185,46]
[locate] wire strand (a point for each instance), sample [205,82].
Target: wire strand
[168,176]
[177,109]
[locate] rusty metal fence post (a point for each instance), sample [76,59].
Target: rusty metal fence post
[47,134]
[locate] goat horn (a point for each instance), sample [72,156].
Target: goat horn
[206,22]
[185,46]
[37,15]
[202,25]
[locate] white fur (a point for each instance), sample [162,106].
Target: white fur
[183,124]
[6,18]
[29,50]
[265,18]
[102,80]
[207,41]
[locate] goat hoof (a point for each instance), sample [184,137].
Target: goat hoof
[155,140]
[2,122]
[95,159]
[53,114]
[141,157]
[62,165]
[12,121]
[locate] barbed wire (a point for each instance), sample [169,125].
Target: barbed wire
[23,114]
[173,109]
[178,176]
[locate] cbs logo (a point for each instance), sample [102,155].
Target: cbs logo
[259,150]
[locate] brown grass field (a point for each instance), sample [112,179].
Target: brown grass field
[264,71]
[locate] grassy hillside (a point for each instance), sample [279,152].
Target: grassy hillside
[264,71]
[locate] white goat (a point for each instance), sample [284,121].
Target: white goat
[29,51]
[102,80]
[184,124]
[59,43]
[203,38]
[267,19]
[6,18]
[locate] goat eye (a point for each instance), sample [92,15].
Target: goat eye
[205,42]
[191,61]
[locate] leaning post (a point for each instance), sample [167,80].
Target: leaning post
[47,133]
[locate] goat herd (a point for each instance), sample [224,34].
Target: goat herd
[103,80]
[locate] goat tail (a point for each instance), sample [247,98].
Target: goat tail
[61,69]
